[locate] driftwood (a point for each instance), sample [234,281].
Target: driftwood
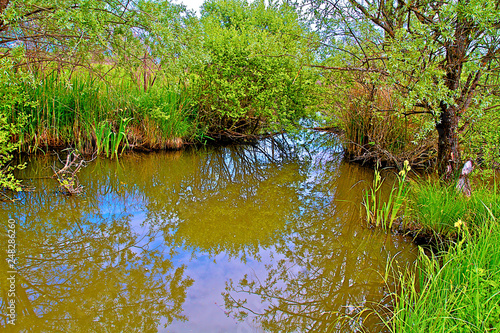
[67,175]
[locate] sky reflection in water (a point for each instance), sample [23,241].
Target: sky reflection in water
[157,236]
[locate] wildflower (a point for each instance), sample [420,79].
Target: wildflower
[407,166]
[458,224]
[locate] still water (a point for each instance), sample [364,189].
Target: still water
[263,238]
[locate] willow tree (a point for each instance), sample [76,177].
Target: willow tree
[437,56]
[83,32]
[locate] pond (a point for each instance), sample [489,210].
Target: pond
[259,238]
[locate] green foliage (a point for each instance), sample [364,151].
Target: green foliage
[84,110]
[380,212]
[12,97]
[83,32]
[168,109]
[109,140]
[480,135]
[253,75]
[438,59]
[459,291]
[90,64]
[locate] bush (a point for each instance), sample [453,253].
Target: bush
[11,98]
[252,77]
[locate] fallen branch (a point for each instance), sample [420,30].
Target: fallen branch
[67,175]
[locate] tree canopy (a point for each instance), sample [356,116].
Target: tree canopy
[437,57]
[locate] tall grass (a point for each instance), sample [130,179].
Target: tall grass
[435,207]
[459,291]
[89,113]
[374,130]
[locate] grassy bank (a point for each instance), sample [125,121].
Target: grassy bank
[436,208]
[456,286]
[455,291]
[92,114]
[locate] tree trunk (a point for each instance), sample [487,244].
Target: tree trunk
[448,144]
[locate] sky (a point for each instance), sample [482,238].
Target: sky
[192,4]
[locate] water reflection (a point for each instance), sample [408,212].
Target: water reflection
[155,237]
[76,273]
[332,268]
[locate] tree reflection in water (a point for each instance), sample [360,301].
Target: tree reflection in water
[109,260]
[332,271]
[82,271]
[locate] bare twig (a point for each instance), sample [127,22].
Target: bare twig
[67,175]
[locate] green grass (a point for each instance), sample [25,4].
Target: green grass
[457,291]
[87,113]
[436,208]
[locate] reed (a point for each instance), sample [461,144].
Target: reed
[374,130]
[86,112]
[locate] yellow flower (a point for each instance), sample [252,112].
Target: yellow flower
[407,166]
[458,224]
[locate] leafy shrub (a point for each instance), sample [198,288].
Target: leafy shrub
[252,76]
[11,97]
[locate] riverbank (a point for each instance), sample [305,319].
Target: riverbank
[454,286]
[456,290]
[92,115]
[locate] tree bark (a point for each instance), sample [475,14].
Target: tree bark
[448,144]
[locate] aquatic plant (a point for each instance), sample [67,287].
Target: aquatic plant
[380,211]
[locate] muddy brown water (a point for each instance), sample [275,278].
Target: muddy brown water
[264,238]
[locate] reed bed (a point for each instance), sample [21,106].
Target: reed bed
[375,130]
[94,115]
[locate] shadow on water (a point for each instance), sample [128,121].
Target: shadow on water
[270,234]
